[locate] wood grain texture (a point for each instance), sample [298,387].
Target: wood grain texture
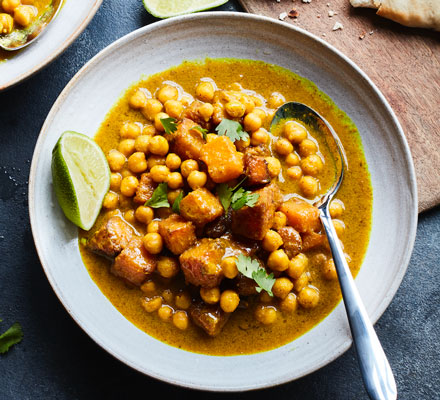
[403,62]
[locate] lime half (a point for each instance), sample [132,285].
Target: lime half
[172,8]
[81,177]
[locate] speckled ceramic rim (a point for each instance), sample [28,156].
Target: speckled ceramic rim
[242,18]
[56,53]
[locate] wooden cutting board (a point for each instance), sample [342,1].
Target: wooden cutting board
[403,62]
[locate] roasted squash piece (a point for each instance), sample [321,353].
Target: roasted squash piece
[200,206]
[301,215]
[145,189]
[188,141]
[177,233]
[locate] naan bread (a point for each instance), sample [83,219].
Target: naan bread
[415,13]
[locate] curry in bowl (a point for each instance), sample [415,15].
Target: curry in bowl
[208,239]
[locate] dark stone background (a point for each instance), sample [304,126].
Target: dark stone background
[57,360]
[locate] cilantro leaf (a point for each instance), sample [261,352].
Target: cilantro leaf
[169,124]
[12,336]
[176,204]
[243,198]
[252,269]
[159,197]
[232,129]
[225,194]
[201,130]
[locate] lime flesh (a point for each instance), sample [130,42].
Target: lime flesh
[81,178]
[172,8]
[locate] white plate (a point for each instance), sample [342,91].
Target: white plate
[83,105]
[61,32]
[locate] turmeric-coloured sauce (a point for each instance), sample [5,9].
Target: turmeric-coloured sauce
[243,334]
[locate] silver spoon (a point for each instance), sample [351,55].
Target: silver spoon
[375,369]
[20,38]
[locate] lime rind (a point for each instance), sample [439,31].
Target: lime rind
[172,8]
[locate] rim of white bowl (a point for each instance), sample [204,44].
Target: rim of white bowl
[54,55]
[337,352]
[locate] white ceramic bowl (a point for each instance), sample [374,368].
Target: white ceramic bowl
[89,96]
[62,31]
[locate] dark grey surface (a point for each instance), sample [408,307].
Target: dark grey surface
[57,360]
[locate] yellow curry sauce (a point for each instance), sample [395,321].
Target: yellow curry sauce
[243,334]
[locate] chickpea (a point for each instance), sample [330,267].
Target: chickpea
[151,109]
[126,147]
[186,99]
[149,287]
[242,144]
[129,216]
[210,296]
[282,287]
[278,260]
[248,103]
[175,180]
[188,166]
[149,130]
[265,297]
[153,243]
[111,201]
[173,108]
[261,113]
[183,300]
[165,312]
[197,179]
[276,100]
[294,132]
[271,241]
[279,221]
[180,320]
[235,109]
[229,267]
[205,91]
[308,185]
[158,145]
[23,15]
[206,110]
[116,160]
[115,181]
[173,194]
[252,122]
[312,165]
[151,305]
[137,162]
[138,100]
[167,267]
[168,296]
[283,147]
[126,172]
[157,121]
[130,130]
[141,143]
[301,282]
[155,160]
[292,160]
[297,265]
[153,227]
[307,147]
[339,227]
[159,173]
[294,173]
[336,208]
[229,301]
[274,166]
[308,297]
[258,100]
[168,92]
[329,270]
[144,214]
[6,23]
[289,304]
[173,161]
[266,314]
[10,5]
[260,136]
[129,184]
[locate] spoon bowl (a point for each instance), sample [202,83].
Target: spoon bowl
[375,369]
[20,38]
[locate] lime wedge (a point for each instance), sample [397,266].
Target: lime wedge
[81,178]
[172,8]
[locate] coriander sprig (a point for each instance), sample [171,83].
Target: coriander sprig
[232,129]
[253,270]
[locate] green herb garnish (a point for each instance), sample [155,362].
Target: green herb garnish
[203,131]
[169,124]
[232,129]
[176,204]
[253,270]
[236,197]
[12,336]
[159,197]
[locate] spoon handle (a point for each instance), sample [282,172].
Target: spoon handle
[375,369]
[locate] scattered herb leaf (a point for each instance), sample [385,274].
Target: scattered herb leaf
[176,204]
[12,336]
[225,194]
[159,197]
[232,129]
[253,270]
[201,130]
[236,197]
[169,124]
